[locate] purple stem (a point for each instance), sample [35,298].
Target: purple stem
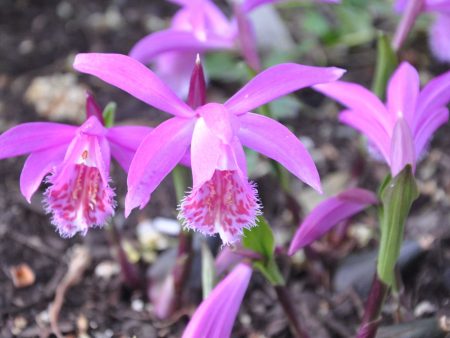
[285,300]
[371,318]
[413,9]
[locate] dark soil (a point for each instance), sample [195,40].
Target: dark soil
[40,37]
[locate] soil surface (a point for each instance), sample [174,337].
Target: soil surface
[328,283]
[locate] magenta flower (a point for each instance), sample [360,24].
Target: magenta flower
[401,129]
[439,33]
[329,213]
[215,316]
[199,26]
[222,200]
[77,158]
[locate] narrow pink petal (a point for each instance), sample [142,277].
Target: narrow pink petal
[215,316]
[435,95]
[247,39]
[402,92]
[129,137]
[426,130]
[329,213]
[158,154]
[206,150]
[123,156]
[277,81]
[37,166]
[402,148]
[197,86]
[133,77]
[274,140]
[35,136]
[175,69]
[93,109]
[400,5]
[174,40]
[437,5]
[440,36]
[370,128]
[226,258]
[357,98]
[219,121]
[124,141]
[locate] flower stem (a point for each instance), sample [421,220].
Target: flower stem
[286,302]
[372,311]
[130,272]
[182,265]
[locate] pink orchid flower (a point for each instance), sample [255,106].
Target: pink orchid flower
[439,33]
[222,200]
[77,158]
[401,129]
[215,316]
[199,26]
[329,213]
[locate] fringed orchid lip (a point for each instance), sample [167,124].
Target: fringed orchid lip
[226,204]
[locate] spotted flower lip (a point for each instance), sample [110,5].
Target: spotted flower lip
[216,314]
[401,128]
[215,134]
[78,160]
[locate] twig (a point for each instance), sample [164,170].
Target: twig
[79,261]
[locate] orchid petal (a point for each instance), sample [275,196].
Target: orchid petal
[329,213]
[370,128]
[133,77]
[277,81]
[206,150]
[158,154]
[37,166]
[356,97]
[434,95]
[124,141]
[35,136]
[437,5]
[173,40]
[129,137]
[219,120]
[175,69]
[402,92]
[428,127]
[440,37]
[274,140]
[93,109]
[402,148]
[215,316]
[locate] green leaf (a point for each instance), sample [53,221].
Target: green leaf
[386,64]
[109,114]
[260,239]
[397,197]
[208,270]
